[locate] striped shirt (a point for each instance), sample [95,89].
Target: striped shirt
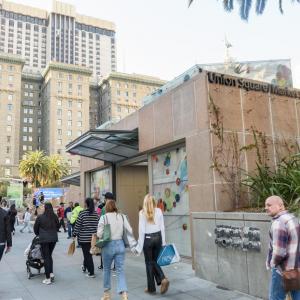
[86,225]
[284,239]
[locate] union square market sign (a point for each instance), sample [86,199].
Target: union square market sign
[248,85]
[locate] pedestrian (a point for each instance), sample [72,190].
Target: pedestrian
[68,214]
[85,226]
[61,217]
[4,204]
[46,227]
[283,248]
[41,198]
[27,218]
[5,232]
[107,196]
[151,239]
[114,250]
[12,213]
[36,204]
[75,212]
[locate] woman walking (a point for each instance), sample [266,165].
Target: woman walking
[114,250]
[85,226]
[151,240]
[12,217]
[46,227]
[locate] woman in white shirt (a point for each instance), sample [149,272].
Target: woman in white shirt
[114,250]
[151,240]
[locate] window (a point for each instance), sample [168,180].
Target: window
[59,112]
[7,160]
[79,104]
[31,95]
[25,129]
[25,110]
[24,138]
[9,118]
[9,106]
[118,92]
[79,88]
[69,104]
[39,121]
[59,142]
[59,122]
[31,86]
[39,130]
[59,102]
[59,85]
[69,113]
[134,94]
[70,123]
[79,133]
[10,97]
[60,75]
[79,114]
[30,138]
[119,108]
[29,129]
[10,78]
[10,68]
[70,77]
[8,128]
[8,138]
[79,78]
[59,131]
[118,85]
[126,94]
[26,94]
[30,148]
[79,124]
[30,111]
[69,133]
[7,172]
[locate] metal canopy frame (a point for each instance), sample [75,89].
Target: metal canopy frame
[107,145]
[73,179]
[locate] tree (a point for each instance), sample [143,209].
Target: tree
[40,169]
[245,6]
[57,168]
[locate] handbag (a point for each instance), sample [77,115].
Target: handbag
[127,237]
[106,237]
[291,278]
[168,255]
[71,248]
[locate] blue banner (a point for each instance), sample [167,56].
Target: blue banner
[50,193]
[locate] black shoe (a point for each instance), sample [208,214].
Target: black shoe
[100,267]
[83,269]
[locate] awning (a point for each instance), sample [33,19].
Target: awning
[107,145]
[73,179]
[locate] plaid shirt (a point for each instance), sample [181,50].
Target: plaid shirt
[283,242]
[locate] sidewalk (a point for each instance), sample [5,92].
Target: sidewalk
[71,283]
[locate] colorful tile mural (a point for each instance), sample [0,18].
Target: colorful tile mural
[170,181]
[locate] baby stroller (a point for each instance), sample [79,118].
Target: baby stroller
[34,257]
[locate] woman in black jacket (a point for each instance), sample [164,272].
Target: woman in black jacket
[46,227]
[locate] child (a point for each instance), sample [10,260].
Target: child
[27,218]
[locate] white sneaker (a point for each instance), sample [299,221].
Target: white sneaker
[90,276]
[47,281]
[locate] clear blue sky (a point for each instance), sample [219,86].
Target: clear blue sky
[164,38]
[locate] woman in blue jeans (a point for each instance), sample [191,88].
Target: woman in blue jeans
[114,250]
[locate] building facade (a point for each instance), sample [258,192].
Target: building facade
[61,35]
[121,94]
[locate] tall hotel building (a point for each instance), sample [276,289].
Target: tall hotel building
[61,35]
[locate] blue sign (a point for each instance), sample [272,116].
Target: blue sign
[50,193]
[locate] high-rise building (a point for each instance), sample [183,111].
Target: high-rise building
[121,94]
[61,35]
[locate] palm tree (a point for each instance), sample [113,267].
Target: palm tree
[34,167]
[245,6]
[57,168]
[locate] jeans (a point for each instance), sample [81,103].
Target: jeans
[88,262]
[277,291]
[2,247]
[47,249]
[152,247]
[28,226]
[70,228]
[114,250]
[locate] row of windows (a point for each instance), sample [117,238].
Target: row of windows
[24,18]
[69,76]
[126,94]
[59,123]
[93,29]
[70,103]
[69,113]
[69,133]
[9,68]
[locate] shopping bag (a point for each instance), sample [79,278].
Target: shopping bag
[71,249]
[168,255]
[94,250]
[128,238]
[106,235]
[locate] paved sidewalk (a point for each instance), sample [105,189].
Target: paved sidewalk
[71,283]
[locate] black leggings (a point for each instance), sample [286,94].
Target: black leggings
[88,262]
[47,249]
[152,247]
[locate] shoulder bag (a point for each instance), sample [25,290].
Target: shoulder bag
[106,237]
[128,238]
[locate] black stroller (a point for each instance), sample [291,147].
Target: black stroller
[34,258]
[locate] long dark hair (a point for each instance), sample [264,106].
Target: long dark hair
[49,213]
[90,205]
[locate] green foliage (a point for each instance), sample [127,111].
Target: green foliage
[283,182]
[3,188]
[42,170]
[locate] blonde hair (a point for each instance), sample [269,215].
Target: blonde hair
[149,208]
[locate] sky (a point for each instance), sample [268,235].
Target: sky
[164,38]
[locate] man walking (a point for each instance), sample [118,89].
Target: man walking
[61,217]
[27,218]
[68,214]
[284,239]
[5,232]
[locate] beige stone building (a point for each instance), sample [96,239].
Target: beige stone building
[65,108]
[10,95]
[121,94]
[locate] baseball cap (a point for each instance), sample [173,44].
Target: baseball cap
[108,195]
